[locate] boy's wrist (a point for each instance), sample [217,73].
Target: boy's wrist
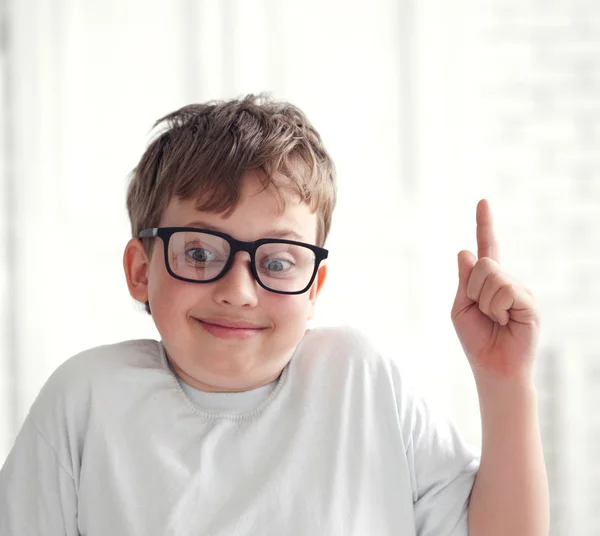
[503,388]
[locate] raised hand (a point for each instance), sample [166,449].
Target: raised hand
[496,317]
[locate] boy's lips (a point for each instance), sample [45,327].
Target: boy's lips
[227,323]
[224,328]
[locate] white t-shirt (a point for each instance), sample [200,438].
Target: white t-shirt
[116,445]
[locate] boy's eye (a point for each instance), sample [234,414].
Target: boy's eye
[276,265]
[200,255]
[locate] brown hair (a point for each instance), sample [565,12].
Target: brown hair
[205,149]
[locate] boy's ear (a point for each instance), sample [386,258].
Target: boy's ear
[135,264]
[316,287]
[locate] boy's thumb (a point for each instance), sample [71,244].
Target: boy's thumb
[466,262]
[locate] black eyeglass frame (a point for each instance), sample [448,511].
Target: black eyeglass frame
[165,233]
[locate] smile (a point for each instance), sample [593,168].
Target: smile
[231,330]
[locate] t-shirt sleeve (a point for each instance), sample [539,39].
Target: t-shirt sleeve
[444,471]
[37,492]
[442,466]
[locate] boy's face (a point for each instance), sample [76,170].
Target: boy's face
[214,359]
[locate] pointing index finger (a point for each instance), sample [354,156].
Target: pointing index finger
[487,244]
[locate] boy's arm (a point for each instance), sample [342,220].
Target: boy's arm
[510,494]
[497,320]
[37,493]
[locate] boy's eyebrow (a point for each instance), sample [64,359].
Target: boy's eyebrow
[271,233]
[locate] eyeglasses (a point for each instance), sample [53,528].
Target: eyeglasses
[203,256]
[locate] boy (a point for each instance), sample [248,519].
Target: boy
[241,421]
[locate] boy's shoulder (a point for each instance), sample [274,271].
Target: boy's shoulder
[100,365]
[89,382]
[344,348]
[344,344]
[349,337]
[107,357]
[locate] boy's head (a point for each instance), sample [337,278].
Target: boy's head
[251,169]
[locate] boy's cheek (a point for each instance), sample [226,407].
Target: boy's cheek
[302,312]
[167,299]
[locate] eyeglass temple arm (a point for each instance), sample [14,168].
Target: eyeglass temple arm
[148,233]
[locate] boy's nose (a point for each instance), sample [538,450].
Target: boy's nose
[238,286]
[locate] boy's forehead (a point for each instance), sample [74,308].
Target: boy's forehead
[249,220]
[277,230]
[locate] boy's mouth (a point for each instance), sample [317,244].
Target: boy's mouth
[228,323]
[224,328]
